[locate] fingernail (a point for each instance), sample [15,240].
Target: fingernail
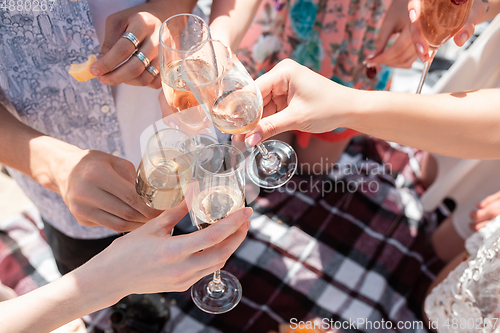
[464,37]
[371,65]
[95,71]
[413,16]
[100,56]
[247,212]
[253,139]
[420,49]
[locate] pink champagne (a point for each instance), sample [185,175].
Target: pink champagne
[442,19]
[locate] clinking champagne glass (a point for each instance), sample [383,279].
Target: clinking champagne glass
[177,35]
[218,191]
[230,96]
[439,21]
[166,169]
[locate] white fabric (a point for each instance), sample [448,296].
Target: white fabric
[477,68]
[467,299]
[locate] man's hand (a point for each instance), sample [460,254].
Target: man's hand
[486,211]
[144,21]
[401,53]
[99,190]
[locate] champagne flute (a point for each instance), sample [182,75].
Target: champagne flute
[218,191]
[229,94]
[166,169]
[439,21]
[177,35]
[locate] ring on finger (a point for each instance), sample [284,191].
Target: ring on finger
[153,71]
[131,37]
[145,61]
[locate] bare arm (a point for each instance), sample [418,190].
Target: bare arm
[146,260]
[98,188]
[30,151]
[459,124]
[230,20]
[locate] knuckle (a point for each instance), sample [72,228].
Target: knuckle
[213,237]
[130,197]
[137,68]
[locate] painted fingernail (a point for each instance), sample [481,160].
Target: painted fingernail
[413,16]
[464,37]
[95,71]
[253,139]
[420,49]
[247,212]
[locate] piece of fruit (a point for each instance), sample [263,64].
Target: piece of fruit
[81,72]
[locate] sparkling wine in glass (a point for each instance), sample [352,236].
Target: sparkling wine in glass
[166,169]
[229,94]
[177,35]
[218,191]
[439,21]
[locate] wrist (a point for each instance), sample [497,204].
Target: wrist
[50,160]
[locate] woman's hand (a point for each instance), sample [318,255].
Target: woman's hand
[486,211]
[478,14]
[296,98]
[401,53]
[149,260]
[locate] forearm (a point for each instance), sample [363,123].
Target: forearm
[459,125]
[30,151]
[230,20]
[83,291]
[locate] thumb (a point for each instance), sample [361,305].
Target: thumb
[270,126]
[464,34]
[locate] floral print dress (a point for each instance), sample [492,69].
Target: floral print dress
[331,37]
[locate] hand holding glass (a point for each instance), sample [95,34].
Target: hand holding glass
[439,21]
[218,191]
[228,93]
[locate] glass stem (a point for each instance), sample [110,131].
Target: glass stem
[270,162]
[216,285]
[427,65]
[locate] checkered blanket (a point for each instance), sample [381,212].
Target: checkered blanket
[357,252]
[343,248]
[26,261]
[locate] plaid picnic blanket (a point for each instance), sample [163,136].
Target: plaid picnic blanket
[343,248]
[26,261]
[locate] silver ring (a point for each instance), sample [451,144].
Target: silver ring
[131,37]
[153,71]
[145,61]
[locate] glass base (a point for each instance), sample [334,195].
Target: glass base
[275,171]
[217,302]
